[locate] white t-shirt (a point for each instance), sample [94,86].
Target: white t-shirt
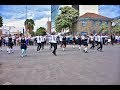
[54,38]
[91,38]
[99,38]
[116,37]
[38,39]
[61,38]
[82,37]
[42,38]
[96,38]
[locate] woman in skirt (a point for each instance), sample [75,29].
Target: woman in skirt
[10,44]
[63,42]
[85,44]
[1,43]
[23,46]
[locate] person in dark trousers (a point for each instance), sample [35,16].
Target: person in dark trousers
[85,44]
[96,40]
[42,42]
[38,43]
[10,44]
[1,43]
[63,42]
[92,40]
[100,43]
[74,41]
[79,41]
[50,39]
[112,39]
[23,46]
[54,42]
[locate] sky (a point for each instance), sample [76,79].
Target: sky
[15,15]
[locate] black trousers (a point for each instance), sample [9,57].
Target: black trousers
[100,46]
[92,42]
[42,45]
[51,45]
[112,42]
[55,47]
[39,46]
[96,42]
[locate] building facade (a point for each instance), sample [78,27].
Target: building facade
[49,26]
[91,23]
[54,13]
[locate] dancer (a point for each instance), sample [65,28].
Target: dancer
[50,39]
[10,44]
[79,41]
[54,42]
[92,41]
[100,43]
[63,42]
[0,43]
[74,42]
[85,44]
[42,41]
[38,43]
[23,46]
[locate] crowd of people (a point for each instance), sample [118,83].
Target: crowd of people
[82,41]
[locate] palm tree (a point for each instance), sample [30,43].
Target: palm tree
[29,25]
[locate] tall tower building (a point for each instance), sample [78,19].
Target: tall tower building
[54,13]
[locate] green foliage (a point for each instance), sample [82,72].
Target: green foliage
[30,24]
[32,33]
[40,31]
[66,18]
[103,28]
[1,21]
[116,28]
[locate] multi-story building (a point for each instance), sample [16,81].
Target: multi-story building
[54,13]
[81,8]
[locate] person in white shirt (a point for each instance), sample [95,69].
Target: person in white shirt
[61,39]
[54,42]
[38,43]
[92,41]
[96,40]
[42,41]
[100,43]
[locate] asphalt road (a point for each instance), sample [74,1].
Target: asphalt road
[71,67]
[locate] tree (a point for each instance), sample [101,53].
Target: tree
[41,31]
[116,27]
[32,33]
[66,18]
[1,21]
[29,24]
[104,28]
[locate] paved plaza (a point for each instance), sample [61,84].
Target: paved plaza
[71,67]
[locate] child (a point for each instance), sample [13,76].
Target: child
[23,46]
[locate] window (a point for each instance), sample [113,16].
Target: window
[93,23]
[100,23]
[107,23]
[84,23]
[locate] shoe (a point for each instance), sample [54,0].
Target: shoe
[54,53]
[86,52]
